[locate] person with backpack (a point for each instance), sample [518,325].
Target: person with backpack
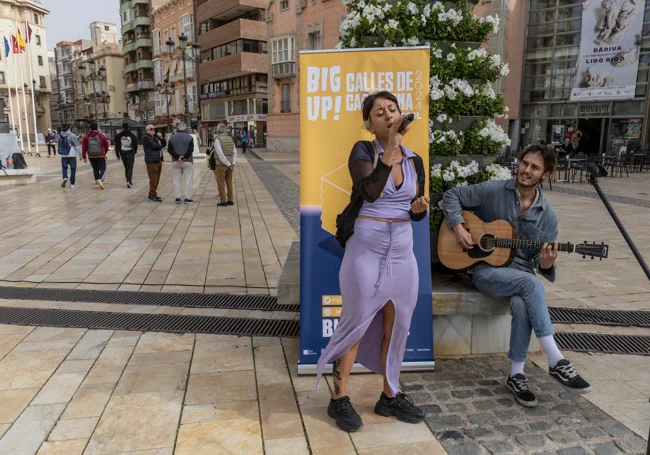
[94,146]
[50,140]
[126,146]
[69,148]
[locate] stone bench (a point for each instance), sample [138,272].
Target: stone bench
[465,322]
[11,177]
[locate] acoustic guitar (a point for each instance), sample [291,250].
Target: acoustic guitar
[496,244]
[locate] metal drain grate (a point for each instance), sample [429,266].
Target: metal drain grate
[600,317]
[150,322]
[187,300]
[611,344]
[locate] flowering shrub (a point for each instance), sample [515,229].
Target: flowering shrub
[465,63]
[459,97]
[484,137]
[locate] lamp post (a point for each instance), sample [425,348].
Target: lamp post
[193,56]
[166,89]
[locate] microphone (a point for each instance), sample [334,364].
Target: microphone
[596,170]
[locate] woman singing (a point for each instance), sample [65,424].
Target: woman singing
[379,274]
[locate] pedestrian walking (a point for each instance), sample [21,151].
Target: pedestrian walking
[181,148]
[69,148]
[251,138]
[126,146]
[50,141]
[244,140]
[94,146]
[226,154]
[210,138]
[153,144]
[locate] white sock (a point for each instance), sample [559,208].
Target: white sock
[517,368]
[551,350]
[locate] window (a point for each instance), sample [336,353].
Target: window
[151,96]
[165,38]
[38,40]
[157,43]
[2,77]
[284,5]
[40,60]
[286,98]
[283,50]
[173,35]
[187,26]
[157,71]
[36,18]
[152,113]
[42,80]
[315,41]
[106,28]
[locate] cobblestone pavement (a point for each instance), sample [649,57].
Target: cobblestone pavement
[471,412]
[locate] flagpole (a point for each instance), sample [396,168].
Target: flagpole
[31,78]
[20,120]
[11,102]
[22,81]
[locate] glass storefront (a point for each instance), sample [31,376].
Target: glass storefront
[552,47]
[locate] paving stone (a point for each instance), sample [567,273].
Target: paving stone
[483,419]
[591,433]
[507,415]
[562,421]
[616,429]
[478,432]
[484,405]
[501,390]
[606,448]
[450,435]
[462,383]
[483,393]
[572,451]
[429,409]
[565,408]
[421,397]
[633,444]
[544,398]
[412,387]
[598,416]
[563,437]
[465,449]
[543,453]
[442,396]
[505,402]
[539,411]
[462,394]
[532,441]
[496,447]
[510,430]
[444,422]
[540,426]
[488,382]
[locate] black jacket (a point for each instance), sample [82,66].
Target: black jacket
[152,147]
[118,142]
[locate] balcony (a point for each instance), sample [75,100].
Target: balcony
[125,6]
[127,28]
[234,65]
[137,86]
[142,21]
[227,9]
[141,41]
[241,28]
[140,2]
[129,68]
[144,64]
[286,69]
[178,76]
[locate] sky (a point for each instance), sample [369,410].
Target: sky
[69,20]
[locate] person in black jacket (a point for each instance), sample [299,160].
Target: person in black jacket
[181,148]
[153,144]
[126,146]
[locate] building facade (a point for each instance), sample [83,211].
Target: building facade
[234,65]
[137,50]
[104,33]
[169,21]
[294,25]
[64,53]
[11,76]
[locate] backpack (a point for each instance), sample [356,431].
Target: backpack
[125,143]
[213,159]
[64,145]
[19,161]
[94,146]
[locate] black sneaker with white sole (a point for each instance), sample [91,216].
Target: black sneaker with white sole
[566,374]
[400,406]
[346,417]
[518,385]
[64,183]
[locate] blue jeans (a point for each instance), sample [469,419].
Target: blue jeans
[527,304]
[72,162]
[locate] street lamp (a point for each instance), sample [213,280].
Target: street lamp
[167,89]
[194,54]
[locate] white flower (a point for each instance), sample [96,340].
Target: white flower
[488,91]
[339,45]
[392,23]
[436,171]
[477,53]
[437,5]
[386,7]
[463,183]
[426,12]
[448,175]
[450,92]
[442,118]
[494,20]
[436,94]
[437,53]
[497,172]
[345,2]
[387,44]
[412,7]
[413,41]
[353,42]
[451,57]
[504,70]
[495,133]
[495,59]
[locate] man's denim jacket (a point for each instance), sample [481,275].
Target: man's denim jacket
[499,200]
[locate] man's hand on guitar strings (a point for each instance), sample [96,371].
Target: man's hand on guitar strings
[548,255]
[463,237]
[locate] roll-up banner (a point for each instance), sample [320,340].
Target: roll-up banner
[333,85]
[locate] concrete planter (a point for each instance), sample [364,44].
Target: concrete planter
[445,46]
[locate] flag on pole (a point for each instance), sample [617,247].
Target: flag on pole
[14,44]
[29,33]
[21,42]
[7,49]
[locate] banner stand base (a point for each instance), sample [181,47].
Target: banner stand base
[358,368]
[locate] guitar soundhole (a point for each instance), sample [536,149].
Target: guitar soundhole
[486,242]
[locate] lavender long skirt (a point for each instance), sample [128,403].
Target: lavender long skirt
[378,266]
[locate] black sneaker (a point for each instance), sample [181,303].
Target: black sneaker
[64,183]
[566,374]
[346,417]
[178,200]
[400,406]
[230,203]
[222,204]
[188,201]
[519,387]
[155,199]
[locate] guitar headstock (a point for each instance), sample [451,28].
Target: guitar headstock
[594,250]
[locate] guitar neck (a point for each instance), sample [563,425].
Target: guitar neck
[531,245]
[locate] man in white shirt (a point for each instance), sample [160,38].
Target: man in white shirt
[226,159]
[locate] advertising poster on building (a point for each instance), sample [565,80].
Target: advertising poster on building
[333,85]
[609,50]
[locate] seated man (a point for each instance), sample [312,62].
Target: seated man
[521,202]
